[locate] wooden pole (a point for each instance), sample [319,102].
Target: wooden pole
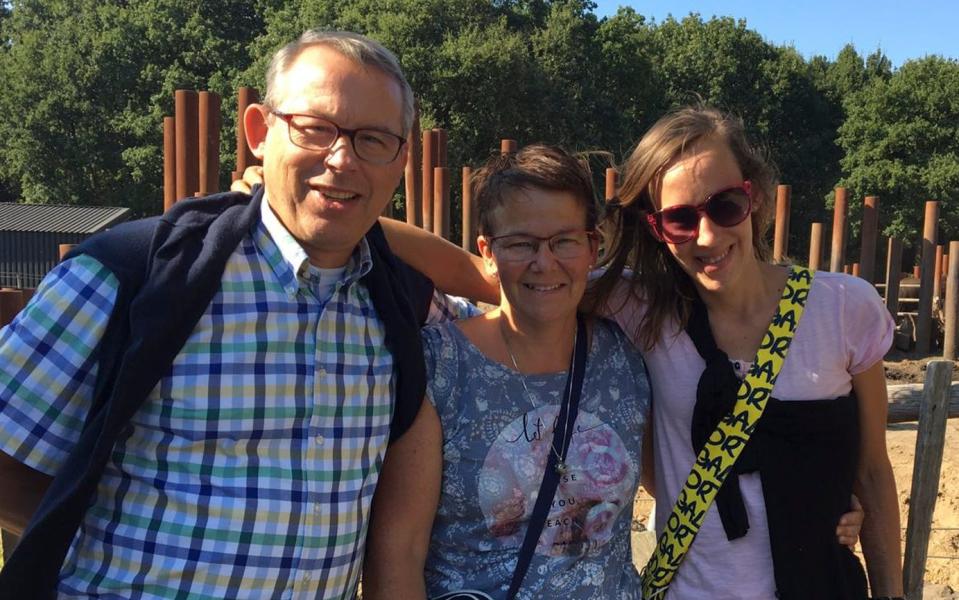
[925,474]
[203,142]
[893,269]
[64,249]
[781,235]
[952,298]
[815,246]
[924,322]
[441,140]
[441,201]
[905,400]
[441,186]
[187,183]
[507,146]
[11,303]
[414,189]
[429,161]
[469,222]
[870,233]
[854,270]
[245,96]
[169,162]
[208,138]
[937,275]
[839,214]
[916,271]
[611,180]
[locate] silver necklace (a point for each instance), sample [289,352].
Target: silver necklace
[561,467]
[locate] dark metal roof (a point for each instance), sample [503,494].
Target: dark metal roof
[58,218]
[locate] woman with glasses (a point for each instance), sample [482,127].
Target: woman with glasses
[695,204]
[499,385]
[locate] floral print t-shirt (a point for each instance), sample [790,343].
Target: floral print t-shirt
[495,444]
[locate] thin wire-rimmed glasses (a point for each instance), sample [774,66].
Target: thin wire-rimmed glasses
[522,247]
[680,223]
[311,132]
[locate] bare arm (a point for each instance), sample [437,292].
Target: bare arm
[403,509]
[876,486]
[451,268]
[23,488]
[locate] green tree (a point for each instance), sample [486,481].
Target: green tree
[87,84]
[901,142]
[721,62]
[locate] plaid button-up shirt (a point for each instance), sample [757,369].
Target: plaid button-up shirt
[249,470]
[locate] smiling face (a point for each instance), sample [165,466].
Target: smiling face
[328,199]
[544,289]
[719,258]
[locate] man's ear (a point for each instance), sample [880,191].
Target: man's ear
[255,127]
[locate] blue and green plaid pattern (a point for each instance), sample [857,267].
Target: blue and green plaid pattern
[249,471]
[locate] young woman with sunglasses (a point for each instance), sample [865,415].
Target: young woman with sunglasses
[695,204]
[499,384]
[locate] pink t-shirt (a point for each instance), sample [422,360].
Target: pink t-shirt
[845,330]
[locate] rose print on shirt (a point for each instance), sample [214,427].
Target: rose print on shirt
[590,497]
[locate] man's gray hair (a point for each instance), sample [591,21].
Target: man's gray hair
[357,47]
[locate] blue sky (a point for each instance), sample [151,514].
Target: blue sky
[903,30]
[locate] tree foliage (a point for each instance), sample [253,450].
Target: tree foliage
[901,142]
[87,85]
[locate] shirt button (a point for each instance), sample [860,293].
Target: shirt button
[320,440]
[320,369]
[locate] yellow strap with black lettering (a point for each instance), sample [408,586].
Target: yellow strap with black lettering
[726,443]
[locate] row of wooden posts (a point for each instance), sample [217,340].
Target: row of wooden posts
[191,144]
[191,168]
[933,268]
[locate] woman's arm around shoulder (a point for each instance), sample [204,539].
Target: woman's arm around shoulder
[452,269]
[876,485]
[403,509]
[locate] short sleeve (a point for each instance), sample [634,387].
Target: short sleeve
[442,373]
[867,324]
[445,308]
[48,367]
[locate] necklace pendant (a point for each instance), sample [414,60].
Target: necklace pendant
[561,468]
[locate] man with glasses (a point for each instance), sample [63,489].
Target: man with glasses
[214,390]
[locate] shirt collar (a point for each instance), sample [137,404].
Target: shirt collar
[289,260]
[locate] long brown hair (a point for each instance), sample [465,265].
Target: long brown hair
[657,279]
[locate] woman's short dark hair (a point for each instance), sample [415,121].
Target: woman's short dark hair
[538,166]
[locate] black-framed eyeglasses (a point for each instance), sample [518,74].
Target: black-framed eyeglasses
[523,247]
[311,132]
[679,224]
